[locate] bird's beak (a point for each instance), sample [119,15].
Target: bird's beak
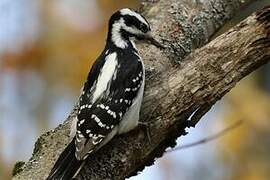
[148,37]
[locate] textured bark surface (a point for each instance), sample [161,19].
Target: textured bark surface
[174,91]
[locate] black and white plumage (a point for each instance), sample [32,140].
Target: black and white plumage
[112,95]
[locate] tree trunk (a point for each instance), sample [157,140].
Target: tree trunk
[180,87]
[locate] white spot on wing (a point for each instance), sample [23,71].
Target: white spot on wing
[81,122]
[98,121]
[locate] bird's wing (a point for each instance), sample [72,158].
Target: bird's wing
[98,122]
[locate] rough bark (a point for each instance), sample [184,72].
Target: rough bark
[174,91]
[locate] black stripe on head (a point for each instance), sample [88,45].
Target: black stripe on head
[126,23]
[132,21]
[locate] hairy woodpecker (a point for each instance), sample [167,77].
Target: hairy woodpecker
[112,95]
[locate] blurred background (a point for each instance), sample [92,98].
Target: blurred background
[46,51]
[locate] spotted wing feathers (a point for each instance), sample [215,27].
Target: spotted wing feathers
[98,121]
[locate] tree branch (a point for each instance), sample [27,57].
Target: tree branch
[207,139]
[174,93]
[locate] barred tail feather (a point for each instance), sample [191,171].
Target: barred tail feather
[67,165]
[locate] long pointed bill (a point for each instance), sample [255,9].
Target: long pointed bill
[150,39]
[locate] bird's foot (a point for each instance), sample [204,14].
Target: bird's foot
[145,127]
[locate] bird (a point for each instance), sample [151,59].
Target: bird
[112,95]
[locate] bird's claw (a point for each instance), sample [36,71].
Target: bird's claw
[145,127]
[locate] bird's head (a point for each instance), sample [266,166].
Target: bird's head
[126,25]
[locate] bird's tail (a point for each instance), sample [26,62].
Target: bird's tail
[67,165]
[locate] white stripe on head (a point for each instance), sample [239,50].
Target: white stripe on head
[116,34]
[127,11]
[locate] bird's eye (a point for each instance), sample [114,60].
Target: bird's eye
[128,22]
[143,28]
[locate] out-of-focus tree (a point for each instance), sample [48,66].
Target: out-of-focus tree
[245,152]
